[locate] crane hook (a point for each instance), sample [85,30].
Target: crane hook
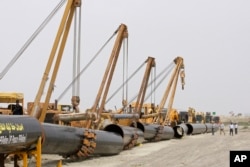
[182,75]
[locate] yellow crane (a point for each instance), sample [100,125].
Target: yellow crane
[56,53]
[101,97]
[170,116]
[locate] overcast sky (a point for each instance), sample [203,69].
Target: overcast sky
[213,37]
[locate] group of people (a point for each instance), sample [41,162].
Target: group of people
[233,127]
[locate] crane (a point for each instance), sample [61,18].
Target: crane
[171,116]
[122,34]
[58,48]
[29,134]
[144,84]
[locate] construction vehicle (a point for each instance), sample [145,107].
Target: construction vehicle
[97,117]
[91,142]
[52,111]
[183,116]
[169,116]
[27,135]
[149,114]
[200,117]
[191,115]
[9,100]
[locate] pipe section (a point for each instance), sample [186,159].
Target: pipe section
[125,116]
[62,140]
[18,133]
[76,117]
[108,143]
[131,136]
[21,133]
[155,132]
[76,142]
[180,130]
[209,127]
[196,128]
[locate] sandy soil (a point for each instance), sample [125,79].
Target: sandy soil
[197,150]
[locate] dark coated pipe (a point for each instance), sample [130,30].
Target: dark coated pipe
[21,133]
[74,142]
[62,140]
[155,132]
[108,143]
[209,127]
[130,135]
[180,130]
[18,132]
[196,128]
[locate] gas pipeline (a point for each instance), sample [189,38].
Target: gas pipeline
[20,134]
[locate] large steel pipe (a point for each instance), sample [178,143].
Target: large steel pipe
[180,130]
[196,128]
[131,136]
[154,132]
[108,143]
[79,142]
[125,116]
[62,140]
[21,133]
[209,127]
[18,133]
[76,117]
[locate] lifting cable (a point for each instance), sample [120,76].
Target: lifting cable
[85,68]
[166,71]
[120,87]
[153,87]
[28,42]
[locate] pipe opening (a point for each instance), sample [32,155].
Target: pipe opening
[114,128]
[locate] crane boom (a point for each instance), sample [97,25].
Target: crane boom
[58,47]
[140,98]
[122,33]
[179,69]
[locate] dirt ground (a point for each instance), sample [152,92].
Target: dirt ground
[195,151]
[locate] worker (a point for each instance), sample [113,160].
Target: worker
[222,128]
[18,110]
[236,128]
[213,126]
[231,129]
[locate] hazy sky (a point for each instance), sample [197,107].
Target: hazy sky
[212,36]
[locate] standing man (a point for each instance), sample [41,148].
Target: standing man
[213,126]
[236,128]
[231,129]
[18,110]
[222,128]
